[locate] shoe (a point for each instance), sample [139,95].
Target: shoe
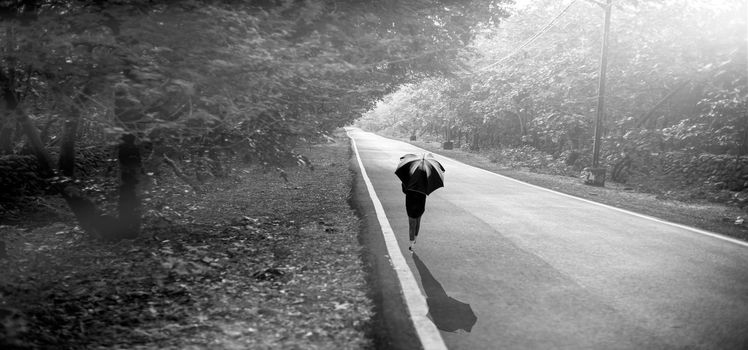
[412,246]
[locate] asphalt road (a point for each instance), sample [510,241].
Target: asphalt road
[506,265]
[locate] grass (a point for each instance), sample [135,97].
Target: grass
[256,262]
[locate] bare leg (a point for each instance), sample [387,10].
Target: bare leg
[414,225]
[418,227]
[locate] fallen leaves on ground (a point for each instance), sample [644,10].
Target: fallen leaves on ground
[257,262]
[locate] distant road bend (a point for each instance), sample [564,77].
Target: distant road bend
[507,265]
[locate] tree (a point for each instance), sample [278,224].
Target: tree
[676,69]
[211,79]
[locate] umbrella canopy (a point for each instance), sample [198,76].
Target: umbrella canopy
[420,173]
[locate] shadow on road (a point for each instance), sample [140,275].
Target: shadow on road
[447,313]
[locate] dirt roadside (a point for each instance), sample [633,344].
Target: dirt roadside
[262,260]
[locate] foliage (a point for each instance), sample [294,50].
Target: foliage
[208,82]
[270,72]
[556,132]
[676,80]
[534,160]
[18,176]
[721,125]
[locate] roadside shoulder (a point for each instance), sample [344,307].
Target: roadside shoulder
[715,217]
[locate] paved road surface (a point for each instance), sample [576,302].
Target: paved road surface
[506,265]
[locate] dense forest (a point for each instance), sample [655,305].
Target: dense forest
[90,88]
[676,86]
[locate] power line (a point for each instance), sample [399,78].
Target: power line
[531,39]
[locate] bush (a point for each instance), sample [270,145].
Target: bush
[18,176]
[532,159]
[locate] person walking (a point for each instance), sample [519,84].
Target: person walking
[415,206]
[419,176]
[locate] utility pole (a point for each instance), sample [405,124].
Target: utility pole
[597,175]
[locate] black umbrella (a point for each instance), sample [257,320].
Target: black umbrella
[420,173]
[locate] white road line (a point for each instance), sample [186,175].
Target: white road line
[427,332]
[689,228]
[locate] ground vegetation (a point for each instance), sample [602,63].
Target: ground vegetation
[258,261]
[676,87]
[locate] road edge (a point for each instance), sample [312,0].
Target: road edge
[629,212]
[427,332]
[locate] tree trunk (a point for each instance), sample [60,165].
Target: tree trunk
[66,160]
[129,204]
[6,134]
[7,123]
[45,131]
[10,99]
[67,147]
[85,210]
[45,164]
[476,142]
